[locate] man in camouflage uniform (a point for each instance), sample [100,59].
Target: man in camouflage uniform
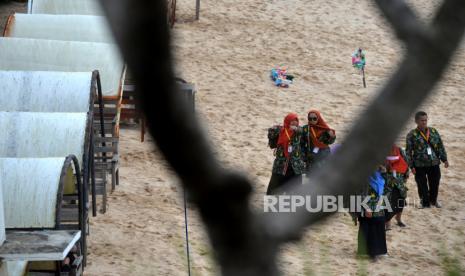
[426,151]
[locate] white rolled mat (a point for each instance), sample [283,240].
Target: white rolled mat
[30,134]
[84,28]
[30,188]
[45,91]
[23,54]
[89,7]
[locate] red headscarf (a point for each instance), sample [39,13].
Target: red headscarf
[395,161]
[286,132]
[315,131]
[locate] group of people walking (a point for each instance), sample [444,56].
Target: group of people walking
[423,155]
[300,150]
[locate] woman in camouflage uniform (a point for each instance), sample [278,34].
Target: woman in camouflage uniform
[371,233]
[316,138]
[288,163]
[397,173]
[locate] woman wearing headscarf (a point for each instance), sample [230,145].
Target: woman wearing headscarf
[371,233]
[397,173]
[316,138]
[288,163]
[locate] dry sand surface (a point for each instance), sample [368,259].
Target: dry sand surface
[228,54]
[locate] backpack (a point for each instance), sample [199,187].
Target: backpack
[273,135]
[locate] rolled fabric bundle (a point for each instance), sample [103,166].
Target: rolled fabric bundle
[85,7]
[31,191]
[32,91]
[85,28]
[30,134]
[23,54]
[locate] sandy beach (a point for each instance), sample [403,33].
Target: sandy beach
[228,55]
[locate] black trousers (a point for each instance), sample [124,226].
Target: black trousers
[397,204]
[428,179]
[371,236]
[278,180]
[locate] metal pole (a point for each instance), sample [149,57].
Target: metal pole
[92,176]
[197,10]
[187,236]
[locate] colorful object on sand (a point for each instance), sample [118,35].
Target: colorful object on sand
[280,77]
[358,59]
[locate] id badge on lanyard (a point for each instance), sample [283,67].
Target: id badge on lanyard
[289,147]
[429,151]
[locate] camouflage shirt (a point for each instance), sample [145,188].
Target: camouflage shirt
[396,181]
[417,149]
[373,201]
[311,158]
[281,163]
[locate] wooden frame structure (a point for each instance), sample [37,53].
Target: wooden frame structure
[111,113]
[101,134]
[69,211]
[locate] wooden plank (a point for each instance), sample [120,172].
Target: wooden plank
[129,88]
[48,245]
[69,215]
[128,101]
[107,119]
[69,226]
[100,190]
[106,139]
[107,128]
[68,205]
[70,197]
[106,149]
[107,101]
[106,110]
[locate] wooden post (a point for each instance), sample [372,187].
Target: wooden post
[363,74]
[197,10]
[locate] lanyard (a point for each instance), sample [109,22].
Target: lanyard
[287,134]
[313,132]
[427,135]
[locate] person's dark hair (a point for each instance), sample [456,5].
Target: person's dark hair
[420,114]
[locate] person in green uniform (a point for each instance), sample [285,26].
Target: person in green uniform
[288,163]
[397,173]
[371,233]
[425,151]
[316,138]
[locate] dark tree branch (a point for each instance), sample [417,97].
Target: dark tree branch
[244,243]
[403,19]
[447,22]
